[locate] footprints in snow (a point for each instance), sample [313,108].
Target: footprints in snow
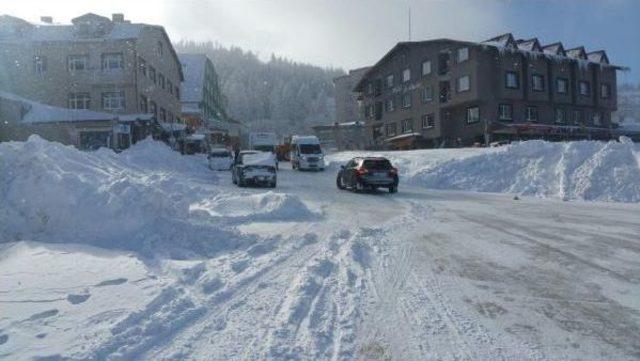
[76,299]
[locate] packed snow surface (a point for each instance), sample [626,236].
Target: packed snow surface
[148,254]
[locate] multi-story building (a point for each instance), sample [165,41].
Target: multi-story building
[347,107]
[447,93]
[342,136]
[95,63]
[202,101]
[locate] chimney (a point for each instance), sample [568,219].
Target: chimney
[117,18]
[46,19]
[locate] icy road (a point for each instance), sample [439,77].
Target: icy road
[311,272]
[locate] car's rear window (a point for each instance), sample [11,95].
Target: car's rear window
[220,154]
[377,164]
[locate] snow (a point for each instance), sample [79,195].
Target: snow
[259,158]
[192,86]
[43,113]
[584,170]
[147,254]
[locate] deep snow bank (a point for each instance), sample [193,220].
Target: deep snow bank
[588,170]
[55,193]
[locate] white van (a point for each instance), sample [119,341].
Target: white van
[306,153]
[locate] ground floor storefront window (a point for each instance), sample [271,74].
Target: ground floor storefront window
[92,140]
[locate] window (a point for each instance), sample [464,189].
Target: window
[389,106]
[505,112]
[511,80]
[463,55]
[605,91]
[143,66]
[537,82]
[161,81]
[152,74]
[428,121]
[562,85]
[406,75]
[561,116]
[390,81]
[39,64]
[144,104]
[112,61]
[153,109]
[427,94]
[463,83]
[577,117]
[79,101]
[407,126]
[426,67]
[177,92]
[531,114]
[170,117]
[170,86]
[597,119]
[406,100]
[585,88]
[391,129]
[160,48]
[368,111]
[473,115]
[163,114]
[113,100]
[78,62]
[370,88]
[377,132]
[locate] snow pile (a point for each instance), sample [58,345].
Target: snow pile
[256,207]
[55,193]
[586,170]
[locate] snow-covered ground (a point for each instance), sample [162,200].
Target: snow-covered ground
[149,255]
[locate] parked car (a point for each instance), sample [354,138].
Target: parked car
[363,173]
[254,167]
[220,159]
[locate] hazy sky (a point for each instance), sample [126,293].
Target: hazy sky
[354,33]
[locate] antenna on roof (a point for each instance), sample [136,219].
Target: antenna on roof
[409,23]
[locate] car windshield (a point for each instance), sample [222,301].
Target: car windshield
[376,164]
[264,148]
[310,149]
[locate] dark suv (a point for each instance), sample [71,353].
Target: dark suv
[368,173]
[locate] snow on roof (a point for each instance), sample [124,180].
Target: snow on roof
[44,113]
[134,117]
[577,53]
[403,136]
[194,66]
[190,107]
[172,127]
[529,45]
[554,49]
[599,56]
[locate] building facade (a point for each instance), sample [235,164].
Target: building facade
[343,136]
[95,63]
[202,102]
[453,93]
[347,104]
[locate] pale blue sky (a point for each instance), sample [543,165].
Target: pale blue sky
[353,33]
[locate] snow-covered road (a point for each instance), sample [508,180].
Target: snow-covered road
[311,272]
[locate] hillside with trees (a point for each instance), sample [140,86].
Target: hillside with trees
[279,94]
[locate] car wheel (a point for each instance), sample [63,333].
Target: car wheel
[272,184]
[340,183]
[241,182]
[393,189]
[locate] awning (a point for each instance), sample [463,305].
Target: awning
[403,136]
